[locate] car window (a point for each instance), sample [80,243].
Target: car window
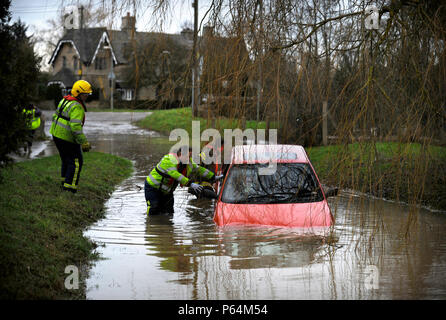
[291,183]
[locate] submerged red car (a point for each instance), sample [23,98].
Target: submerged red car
[273,185]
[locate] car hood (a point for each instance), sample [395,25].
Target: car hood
[304,215]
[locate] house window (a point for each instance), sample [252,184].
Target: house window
[127,94]
[64,61]
[75,63]
[100,63]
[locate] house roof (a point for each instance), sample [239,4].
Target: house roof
[228,51]
[86,42]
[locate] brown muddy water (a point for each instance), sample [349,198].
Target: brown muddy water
[377,249]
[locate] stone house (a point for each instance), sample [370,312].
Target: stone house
[98,54]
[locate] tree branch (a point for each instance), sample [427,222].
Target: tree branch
[315,28]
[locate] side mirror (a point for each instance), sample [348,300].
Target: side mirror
[331,192]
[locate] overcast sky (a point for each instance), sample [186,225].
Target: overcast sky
[35,13]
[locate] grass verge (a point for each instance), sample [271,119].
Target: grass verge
[165,121]
[408,172]
[41,227]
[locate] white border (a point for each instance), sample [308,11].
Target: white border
[59,45]
[56,82]
[104,36]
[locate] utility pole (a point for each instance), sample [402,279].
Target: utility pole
[194,62]
[112,76]
[81,27]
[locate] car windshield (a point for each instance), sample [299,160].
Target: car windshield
[291,183]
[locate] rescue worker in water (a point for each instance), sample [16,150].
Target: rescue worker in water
[173,169]
[66,129]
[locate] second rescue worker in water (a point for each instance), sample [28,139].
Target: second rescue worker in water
[68,135]
[173,169]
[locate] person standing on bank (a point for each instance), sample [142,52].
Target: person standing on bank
[32,114]
[66,129]
[173,169]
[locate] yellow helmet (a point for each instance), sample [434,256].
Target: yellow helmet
[81,86]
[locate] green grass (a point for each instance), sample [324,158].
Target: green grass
[165,121]
[41,228]
[408,172]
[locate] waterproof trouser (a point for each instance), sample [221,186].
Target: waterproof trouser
[157,201]
[29,138]
[72,160]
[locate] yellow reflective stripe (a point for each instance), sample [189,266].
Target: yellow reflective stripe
[66,185]
[165,188]
[156,182]
[63,125]
[160,169]
[71,105]
[205,173]
[166,170]
[66,107]
[76,172]
[76,121]
[184,182]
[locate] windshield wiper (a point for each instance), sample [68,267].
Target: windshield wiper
[305,195]
[266,198]
[283,197]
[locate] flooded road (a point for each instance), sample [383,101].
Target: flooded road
[377,249]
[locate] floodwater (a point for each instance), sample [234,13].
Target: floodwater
[377,249]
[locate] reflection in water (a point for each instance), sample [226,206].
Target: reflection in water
[185,256]
[227,263]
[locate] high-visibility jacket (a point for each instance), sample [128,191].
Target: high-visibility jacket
[35,121]
[217,153]
[168,173]
[69,120]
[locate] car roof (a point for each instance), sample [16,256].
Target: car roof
[259,153]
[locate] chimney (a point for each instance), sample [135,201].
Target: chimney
[81,18]
[188,33]
[128,24]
